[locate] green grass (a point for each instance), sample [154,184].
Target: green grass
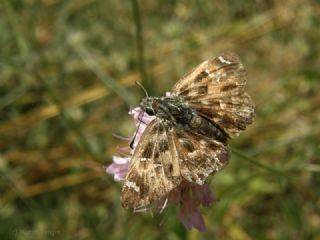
[67,81]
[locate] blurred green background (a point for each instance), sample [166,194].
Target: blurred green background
[67,73]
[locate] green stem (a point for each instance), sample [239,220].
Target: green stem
[13,21]
[249,159]
[140,44]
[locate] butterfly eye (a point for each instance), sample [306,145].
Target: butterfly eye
[149,111]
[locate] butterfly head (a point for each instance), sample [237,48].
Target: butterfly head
[149,105]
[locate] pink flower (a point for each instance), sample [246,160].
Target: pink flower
[192,196]
[142,119]
[119,168]
[188,196]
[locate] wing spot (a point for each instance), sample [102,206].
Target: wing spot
[227,120]
[163,145]
[201,76]
[185,92]
[215,76]
[187,145]
[156,154]
[222,105]
[181,134]
[202,90]
[160,128]
[222,60]
[158,169]
[228,87]
[199,181]
[158,165]
[203,142]
[147,152]
[133,185]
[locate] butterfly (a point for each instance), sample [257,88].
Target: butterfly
[187,140]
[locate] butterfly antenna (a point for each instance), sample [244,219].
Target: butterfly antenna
[120,137]
[145,91]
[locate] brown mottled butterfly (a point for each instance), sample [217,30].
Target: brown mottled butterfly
[188,138]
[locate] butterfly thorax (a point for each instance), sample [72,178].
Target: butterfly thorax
[175,112]
[170,109]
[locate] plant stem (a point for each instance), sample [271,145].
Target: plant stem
[140,44]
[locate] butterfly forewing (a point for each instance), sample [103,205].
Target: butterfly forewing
[153,171]
[215,89]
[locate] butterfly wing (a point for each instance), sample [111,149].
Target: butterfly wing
[199,156]
[216,90]
[154,168]
[164,155]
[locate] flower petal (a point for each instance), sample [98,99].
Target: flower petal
[118,168]
[198,222]
[184,218]
[135,113]
[140,116]
[142,119]
[120,160]
[224,157]
[192,218]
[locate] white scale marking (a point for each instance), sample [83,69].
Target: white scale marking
[203,142]
[218,74]
[157,165]
[140,209]
[212,75]
[198,181]
[222,60]
[164,205]
[222,104]
[133,185]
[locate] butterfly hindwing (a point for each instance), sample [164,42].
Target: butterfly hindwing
[215,89]
[199,156]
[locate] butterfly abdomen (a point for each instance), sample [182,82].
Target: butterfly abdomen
[207,128]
